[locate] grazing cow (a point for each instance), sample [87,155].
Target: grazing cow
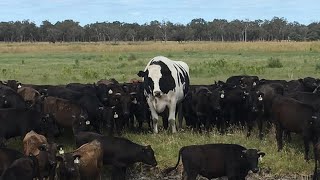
[26,168]
[18,122]
[166,83]
[217,160]
[7,156]
[45,152]
[119,152]
[293,116]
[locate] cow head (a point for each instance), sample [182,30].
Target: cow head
[314,124]
[251,157]
[4,103]
[47,157]
[68,165]
[158,79]
[146,155]
[48,126]
[80,122]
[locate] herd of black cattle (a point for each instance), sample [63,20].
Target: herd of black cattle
[40,113]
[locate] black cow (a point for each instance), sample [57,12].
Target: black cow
[23,168]
[9,98]
[18,122]
[7,156]
[206,105]
[307,98]
[293,116]
[243,80]
[119,152]
[217,160]
[68,166]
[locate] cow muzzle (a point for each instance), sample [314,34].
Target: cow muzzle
[157,93]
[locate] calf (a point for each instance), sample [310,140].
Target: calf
[45,153]
[26,168]
[293,116]
[84,162]
[217,160]
[119,152]
[166,83]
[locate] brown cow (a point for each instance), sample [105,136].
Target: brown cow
[32,144]
[86,162]
[66,113]
[29,95]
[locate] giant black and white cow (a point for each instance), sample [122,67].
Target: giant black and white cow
[166,83]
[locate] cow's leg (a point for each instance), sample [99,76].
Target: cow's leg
[180,115]
[279,133]
[306,137]
[260,126]
[172,116]
[155,118]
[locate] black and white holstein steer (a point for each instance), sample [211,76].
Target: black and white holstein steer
[166,83]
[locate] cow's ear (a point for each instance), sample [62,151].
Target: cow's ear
[141,73]
[261,154]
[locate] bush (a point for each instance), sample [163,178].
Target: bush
[132,57]
[274,63]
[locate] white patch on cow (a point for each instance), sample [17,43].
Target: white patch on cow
[110,91]
[135,101]
[76,161]
[314,117]
[115,115]
[19,86]
[87,122]
[155,75]
[222,96]
[61,151]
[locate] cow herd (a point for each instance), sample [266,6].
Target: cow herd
[98,114]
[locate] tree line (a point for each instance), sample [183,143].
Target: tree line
[276,29]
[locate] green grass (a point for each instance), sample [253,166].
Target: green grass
[88,63]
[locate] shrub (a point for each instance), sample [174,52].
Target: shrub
[274,63]
[132,57]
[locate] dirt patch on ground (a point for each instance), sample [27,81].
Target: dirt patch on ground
[141,172]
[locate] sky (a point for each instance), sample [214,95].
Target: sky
[144,11]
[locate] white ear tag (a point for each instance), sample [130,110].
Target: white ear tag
[260,98]
[254,83]
[76,161]
[135,101]
[110,91]
[19,86]
[260,158]
[115,115]
[87,122]
[61,151]
[222,96]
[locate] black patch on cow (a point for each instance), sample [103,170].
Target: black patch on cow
[166,82]
[184,77]
[148,83]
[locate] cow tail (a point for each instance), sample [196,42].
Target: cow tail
[166,171]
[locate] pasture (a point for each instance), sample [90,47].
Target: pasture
[61,63]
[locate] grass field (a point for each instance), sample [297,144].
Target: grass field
[44,63]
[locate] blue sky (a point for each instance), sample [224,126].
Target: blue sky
[142,11]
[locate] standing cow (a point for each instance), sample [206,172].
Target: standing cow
[166,83]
